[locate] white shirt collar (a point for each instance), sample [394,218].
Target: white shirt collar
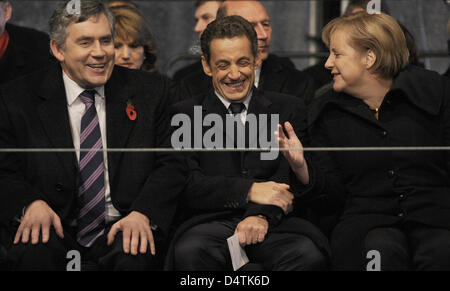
[227,103]
[73,90]
[257,76]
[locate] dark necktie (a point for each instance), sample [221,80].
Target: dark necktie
[91,195]
[236,107]
[239,130]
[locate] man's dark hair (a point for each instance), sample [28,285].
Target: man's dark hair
[228,27]
[199,3]
[61,18]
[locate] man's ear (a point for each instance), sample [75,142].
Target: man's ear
[206,67]
[8,11]
[57,51]
[370,59]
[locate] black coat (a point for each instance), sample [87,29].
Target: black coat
[28,51]
[277,75]
[219,182]
[383,188]
[34,114]
[195,67]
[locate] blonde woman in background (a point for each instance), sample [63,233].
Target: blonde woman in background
[133,40]
[395,211]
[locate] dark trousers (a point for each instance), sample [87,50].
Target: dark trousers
[414,247]
[51,256]
[204,247]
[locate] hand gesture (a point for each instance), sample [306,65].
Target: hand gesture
[294,156]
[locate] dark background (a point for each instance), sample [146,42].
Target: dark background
[172,24]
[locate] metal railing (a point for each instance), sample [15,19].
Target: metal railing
[293,55]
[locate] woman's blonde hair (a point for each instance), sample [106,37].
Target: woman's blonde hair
[131,25]
[377,32]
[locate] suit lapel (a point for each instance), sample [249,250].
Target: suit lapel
[54,115]
[118,125]
[212,105]
[258,105]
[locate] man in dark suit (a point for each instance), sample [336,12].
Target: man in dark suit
[22,50]
[241,192]
[273,74]
[114,208]
[205,12]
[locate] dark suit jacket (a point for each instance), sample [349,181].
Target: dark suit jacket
[219,182]
[184,71]
[33,114]
[28,51]
[384,188]
[277,75]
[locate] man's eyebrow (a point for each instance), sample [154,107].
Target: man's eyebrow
[84,37]
[221,62]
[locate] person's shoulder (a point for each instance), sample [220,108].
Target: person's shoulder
[38,77]
[23,90]
[185,71]
[187,105]
[279,62]
[280,101]
[28,37]
[133,77]
[428,89]
[285,67]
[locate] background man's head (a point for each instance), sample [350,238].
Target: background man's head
[230,48]
[255,13]
[355,6]
[5,14]
[83,43]
[205,13]
[115,3]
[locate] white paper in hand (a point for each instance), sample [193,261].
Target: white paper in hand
[238,255]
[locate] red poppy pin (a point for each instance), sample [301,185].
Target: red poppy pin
[132,115]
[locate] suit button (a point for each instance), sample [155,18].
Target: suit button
[59,187]
[244,172]
[391,173]
[402,196]
[401,214]
[384,133]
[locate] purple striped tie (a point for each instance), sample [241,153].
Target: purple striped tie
[91,195]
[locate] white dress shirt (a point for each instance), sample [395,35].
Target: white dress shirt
[76,109]
[246,101]
[257,76]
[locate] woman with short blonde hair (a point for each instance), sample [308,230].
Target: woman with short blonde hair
[377,32]
[133,40]
[393,205]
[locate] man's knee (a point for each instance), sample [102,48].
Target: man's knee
[187,250]
[302,254]
[434,259]
[40,256]
[193,253]
[391,245]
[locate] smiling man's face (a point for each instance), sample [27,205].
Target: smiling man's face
[231,67]
[87,56]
